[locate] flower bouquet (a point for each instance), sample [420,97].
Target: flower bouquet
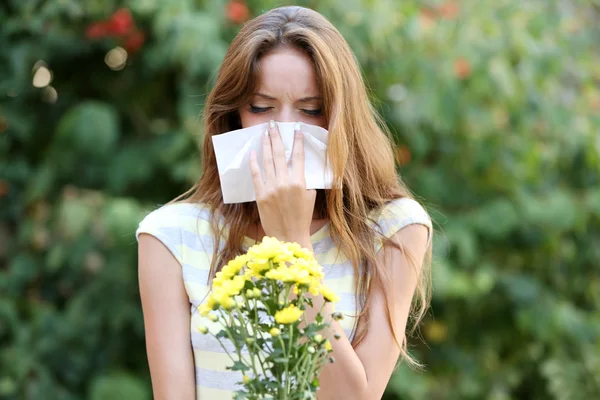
[258,300]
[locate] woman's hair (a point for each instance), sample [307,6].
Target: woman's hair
[359,151]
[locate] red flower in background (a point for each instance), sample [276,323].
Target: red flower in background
[237,11]
[121,22]
[4,188]
[96,30]
[462,68]
[120,25]
[448,10]
[134,42]
[427,13]
[426,18]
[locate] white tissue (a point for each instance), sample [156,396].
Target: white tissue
[232,150]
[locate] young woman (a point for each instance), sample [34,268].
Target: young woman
[371,237]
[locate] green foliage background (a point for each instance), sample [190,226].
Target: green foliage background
[495,107]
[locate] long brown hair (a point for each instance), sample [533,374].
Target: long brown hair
[359,151]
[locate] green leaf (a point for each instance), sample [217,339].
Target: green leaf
[239,366]
[89,129]
[75,216]
[41,183]
[121,217]
[496,219]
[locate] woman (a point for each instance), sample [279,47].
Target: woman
[371,237]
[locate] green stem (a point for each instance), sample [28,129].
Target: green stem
[310,374]
[257,330]
[304,372]
[243,326]
[288,379]
[223,346]
[287,354]
[300,361]
[286,366]
[237,349]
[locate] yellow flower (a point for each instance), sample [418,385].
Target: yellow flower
[302,253]
[284,257]
[213,317]
[257,267]
[234,266]
[276,274]
[266,250]
[229,273]
[257,292]
[246,379]
[314,287]
[204,309]
[300,276]
[289,275]
[221,297]
[270,249]
[274,332]
[233,286]
[293,246]
[329,295]
[228,303]
[327,345]
[208,306]
[288,315]
[312,267]
[202,329]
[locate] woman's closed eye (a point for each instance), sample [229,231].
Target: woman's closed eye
[260,110]
[312,113]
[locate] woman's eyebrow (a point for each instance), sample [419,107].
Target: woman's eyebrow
[311,98]
[265,96]
[302,100]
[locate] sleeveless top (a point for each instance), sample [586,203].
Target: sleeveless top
[185,230]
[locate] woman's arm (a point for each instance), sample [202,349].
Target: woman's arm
[363,373]
[286,207]
[166,320]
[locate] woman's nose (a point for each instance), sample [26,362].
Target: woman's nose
[287,115]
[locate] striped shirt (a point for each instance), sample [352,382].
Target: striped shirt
[185,230]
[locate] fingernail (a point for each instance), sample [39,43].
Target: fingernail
[297,126]
[266,132]
[272,124]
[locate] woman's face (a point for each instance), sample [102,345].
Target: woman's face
[288,91]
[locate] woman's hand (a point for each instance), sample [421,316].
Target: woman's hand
[284,205]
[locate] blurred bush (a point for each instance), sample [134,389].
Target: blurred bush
[495,109]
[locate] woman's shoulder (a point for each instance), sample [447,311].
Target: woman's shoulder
[173,215]
[399,213]
[179,226]
[404,208]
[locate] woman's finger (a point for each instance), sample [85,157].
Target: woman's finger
[257,178]
[267,157]
[278,150]
[298,155]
